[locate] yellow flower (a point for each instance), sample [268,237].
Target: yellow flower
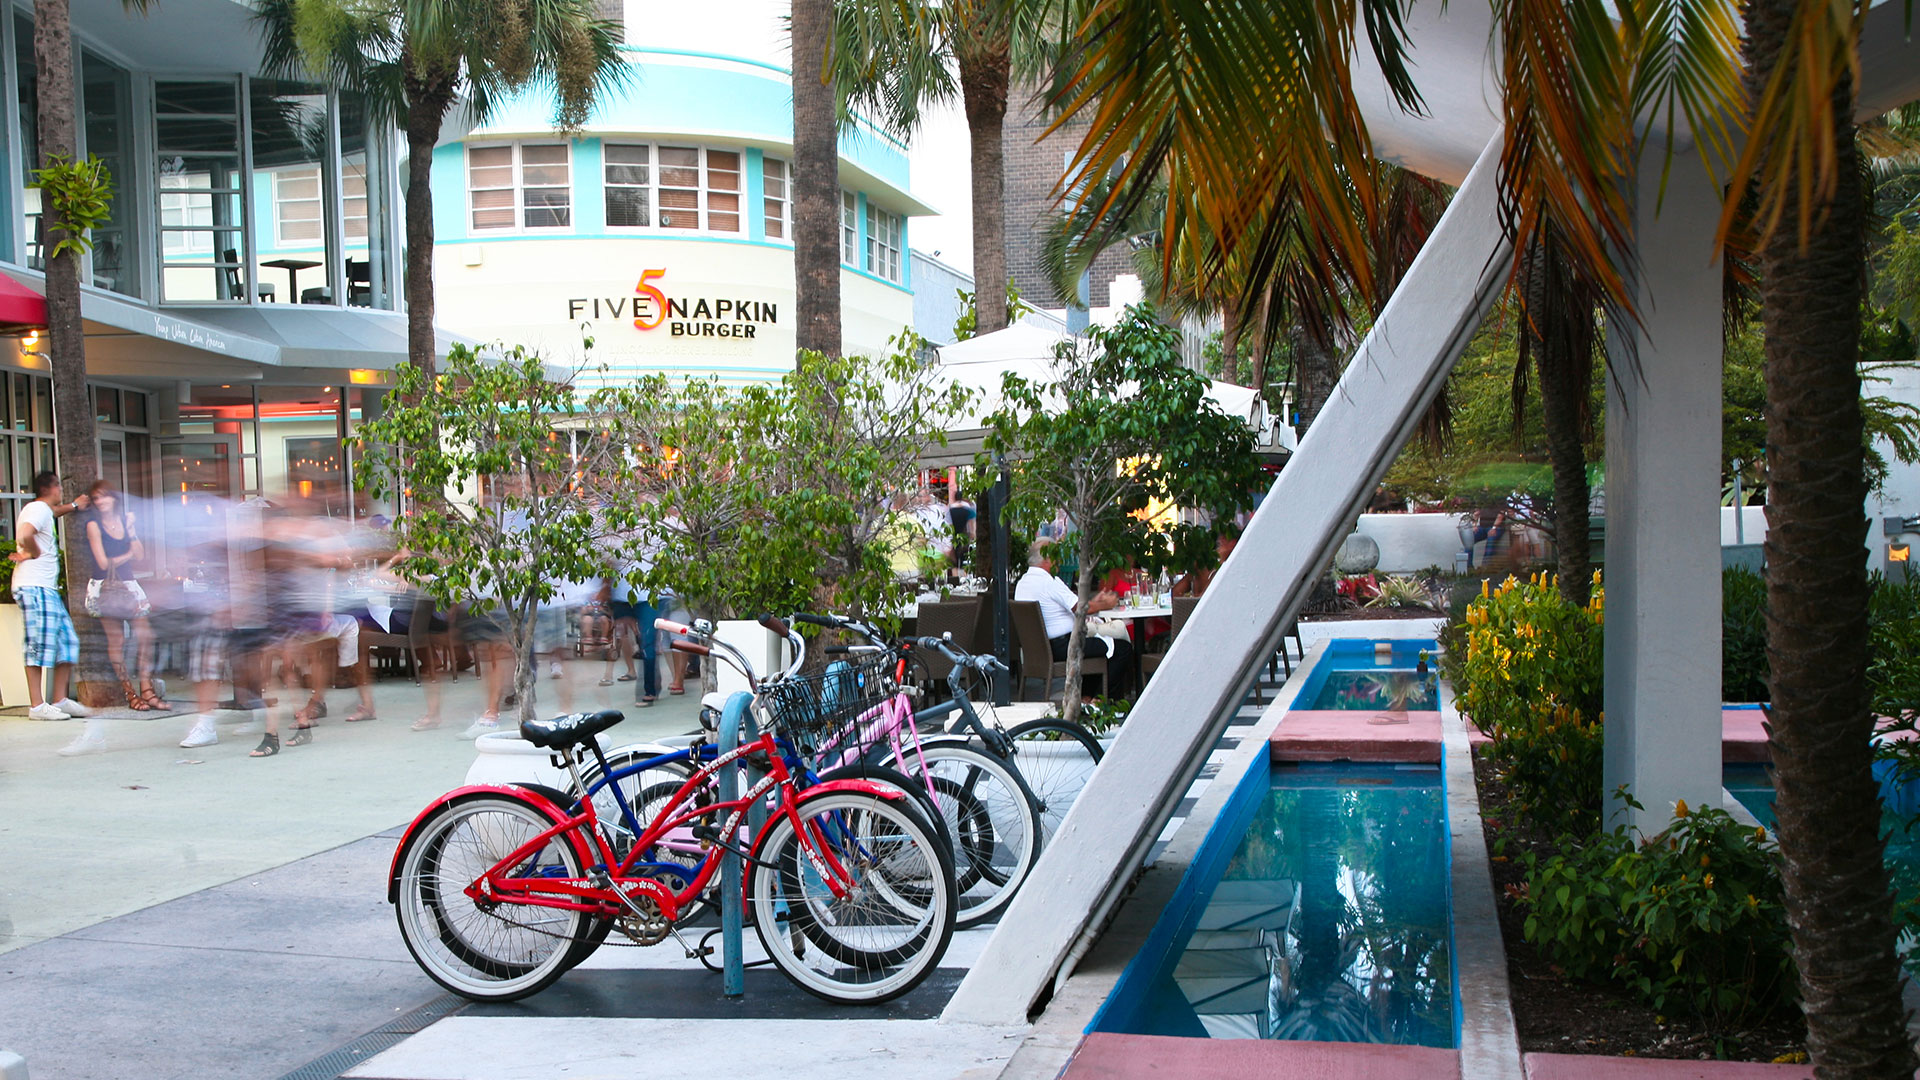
[1705,861]
[1759,832]
[1484,582]
[1707,881]
[1680,808]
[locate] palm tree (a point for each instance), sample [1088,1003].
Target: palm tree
[897,56]
[816,176]
[1800,76]
[1248,110]
[413,59]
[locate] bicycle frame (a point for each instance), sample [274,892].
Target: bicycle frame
[499,883]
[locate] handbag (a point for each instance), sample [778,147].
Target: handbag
[112,598]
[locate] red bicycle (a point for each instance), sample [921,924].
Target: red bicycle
[499,891]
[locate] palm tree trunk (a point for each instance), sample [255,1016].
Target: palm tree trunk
[984,69]
[1559,335]
[66,349]
[429,94]
[1837,894]
[816,181]
[1230,343]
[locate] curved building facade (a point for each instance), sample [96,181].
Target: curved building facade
[662,231]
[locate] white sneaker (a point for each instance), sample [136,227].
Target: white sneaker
[85,744]
[478,728]
[47,711]
[203,733]
[554,671]
[72,708]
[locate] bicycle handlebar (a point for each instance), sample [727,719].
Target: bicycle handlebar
[776,624]
[693,647]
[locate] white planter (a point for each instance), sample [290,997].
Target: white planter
[13,643]
[503,757]
[767,653]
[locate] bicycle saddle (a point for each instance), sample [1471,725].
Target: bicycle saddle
[571,729]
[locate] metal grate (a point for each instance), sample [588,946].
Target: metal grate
[331,1065]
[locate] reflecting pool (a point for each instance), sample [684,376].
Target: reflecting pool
[1330,921]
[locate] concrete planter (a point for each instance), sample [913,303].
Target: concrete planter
[503,757]
[13,676]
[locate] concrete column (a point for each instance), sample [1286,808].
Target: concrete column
[1663,509]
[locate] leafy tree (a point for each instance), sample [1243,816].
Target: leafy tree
[501,503]
[968,324]
[1123,426]
[412,61]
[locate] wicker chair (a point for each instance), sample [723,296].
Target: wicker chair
[956,617]
[1036,654]
[1182,611]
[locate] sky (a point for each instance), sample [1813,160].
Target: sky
[943,179]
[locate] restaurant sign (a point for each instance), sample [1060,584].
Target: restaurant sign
[704,316]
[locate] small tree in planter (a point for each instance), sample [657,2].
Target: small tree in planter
[1124,427]
[701,484]
[503,506]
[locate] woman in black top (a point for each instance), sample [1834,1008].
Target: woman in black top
[115,546]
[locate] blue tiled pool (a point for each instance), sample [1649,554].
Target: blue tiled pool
[1354,674]
[1318,910]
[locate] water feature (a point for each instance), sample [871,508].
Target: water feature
[1330,920]
[1367,675]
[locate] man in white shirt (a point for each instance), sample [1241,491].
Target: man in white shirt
[50,640]
[1057,603]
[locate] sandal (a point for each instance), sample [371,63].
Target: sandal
[361,715]
[606,682]
[152,697]
[425,723]
[134,700]
[302,735]
[624,678]
[676,690]
[269,746]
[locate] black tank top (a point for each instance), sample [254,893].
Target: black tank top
[113,547]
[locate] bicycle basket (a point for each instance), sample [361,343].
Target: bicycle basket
[813,711]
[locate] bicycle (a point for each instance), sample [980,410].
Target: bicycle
[993,852]
[498,891]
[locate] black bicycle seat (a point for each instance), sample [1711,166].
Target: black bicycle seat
[571,729]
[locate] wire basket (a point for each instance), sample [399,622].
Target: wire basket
[822,711]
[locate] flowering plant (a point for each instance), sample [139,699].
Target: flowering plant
[1531,680]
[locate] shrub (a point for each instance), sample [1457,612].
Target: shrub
[1530,678]
[1743,635]
[1691,919]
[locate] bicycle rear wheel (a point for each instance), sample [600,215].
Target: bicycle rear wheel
[889,929]
[993,826]
[1056,759]
[493,952]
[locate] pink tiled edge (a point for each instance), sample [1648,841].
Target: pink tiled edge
[1742,738]
[1590,1067]
[1103,1056]
[1347,735]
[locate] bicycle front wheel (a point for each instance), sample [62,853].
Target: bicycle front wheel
[489,952]
[1056,759]
[891,923]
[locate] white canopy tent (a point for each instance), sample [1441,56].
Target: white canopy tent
[1029,351]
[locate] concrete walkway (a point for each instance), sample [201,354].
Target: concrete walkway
[90,838]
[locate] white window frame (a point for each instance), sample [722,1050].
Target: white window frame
[519,187]
[776,209]
[353,226]
[849,228]
[704,208]
[883,258]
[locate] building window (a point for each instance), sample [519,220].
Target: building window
[849,229]
[691,188]
[526,187]
[883,244]
[296,206]
[629,187]
[353,200]
[774,186]
[197,146]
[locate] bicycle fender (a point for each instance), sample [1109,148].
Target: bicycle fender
[529,793]
[826,787]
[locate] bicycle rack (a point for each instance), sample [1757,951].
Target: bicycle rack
[738,713]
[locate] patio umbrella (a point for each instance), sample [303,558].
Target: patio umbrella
[21,309]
